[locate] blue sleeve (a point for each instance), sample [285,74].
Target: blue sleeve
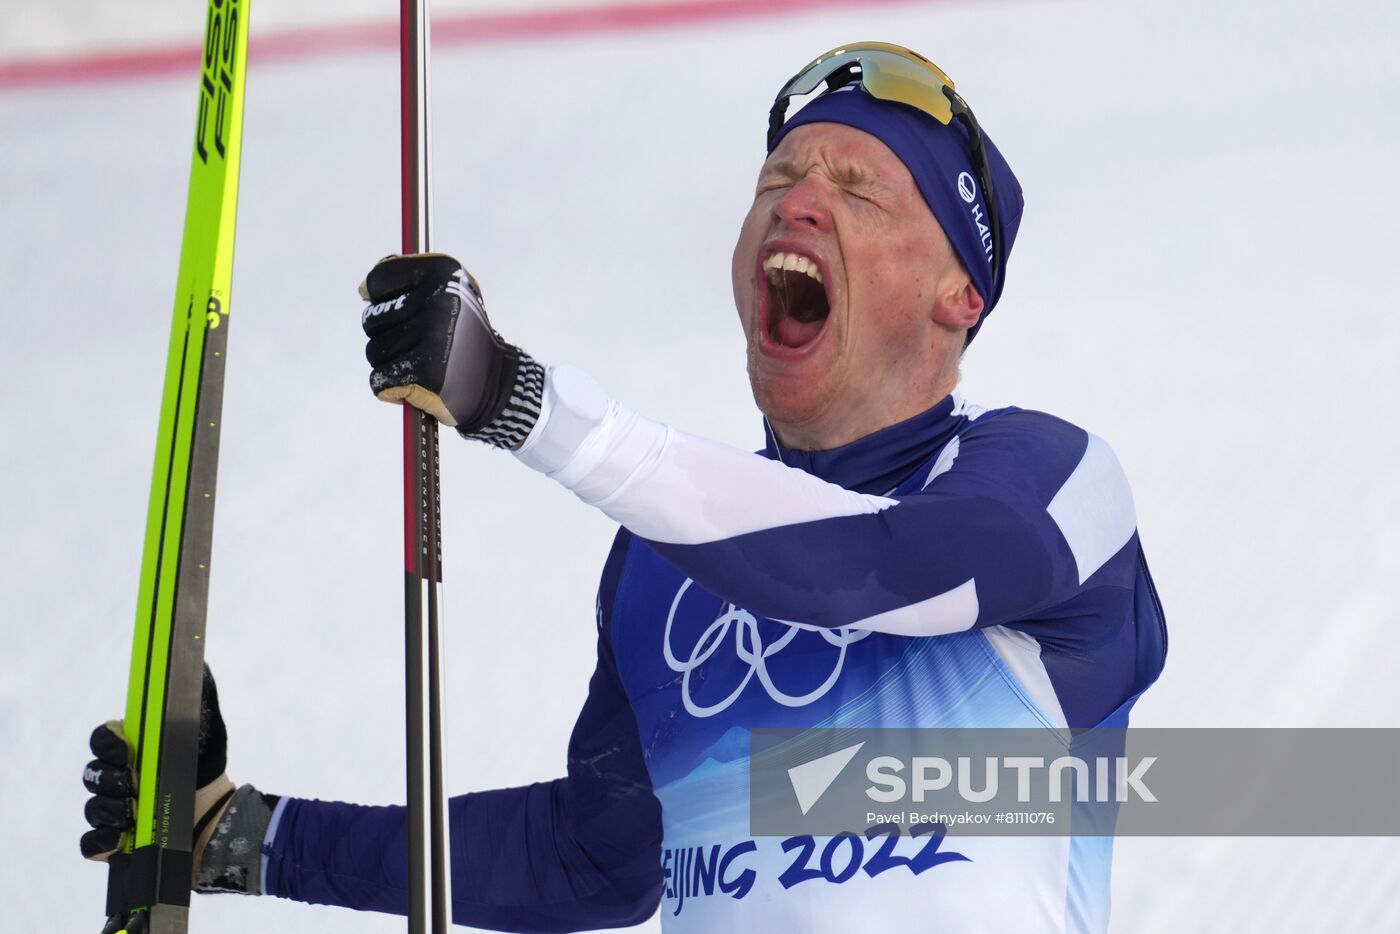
[577,853]
[1024,510]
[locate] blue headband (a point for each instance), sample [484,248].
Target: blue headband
[939,159]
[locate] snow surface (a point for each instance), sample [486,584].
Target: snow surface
[1206,277]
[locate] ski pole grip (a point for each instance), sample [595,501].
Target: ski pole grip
[148,875]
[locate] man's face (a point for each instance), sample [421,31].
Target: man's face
[838,275]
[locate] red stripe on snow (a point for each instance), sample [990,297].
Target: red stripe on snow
[447,30]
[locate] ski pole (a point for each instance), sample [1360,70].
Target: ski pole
[428,871]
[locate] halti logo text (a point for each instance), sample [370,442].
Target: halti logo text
[967,188]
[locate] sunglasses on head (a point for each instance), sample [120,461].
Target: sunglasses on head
[893,73]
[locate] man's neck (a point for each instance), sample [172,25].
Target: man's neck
[824,434]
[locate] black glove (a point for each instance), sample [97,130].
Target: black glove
[230,822]
[432,346]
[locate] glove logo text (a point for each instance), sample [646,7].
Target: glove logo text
[393,304]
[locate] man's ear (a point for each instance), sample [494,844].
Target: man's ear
[959,307]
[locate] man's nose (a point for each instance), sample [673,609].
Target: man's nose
[804,205]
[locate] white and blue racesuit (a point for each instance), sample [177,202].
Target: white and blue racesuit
[964,568]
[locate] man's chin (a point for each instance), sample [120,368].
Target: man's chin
[791,408]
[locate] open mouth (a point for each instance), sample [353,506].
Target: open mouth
[797,302]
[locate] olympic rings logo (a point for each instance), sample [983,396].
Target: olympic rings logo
[749,647]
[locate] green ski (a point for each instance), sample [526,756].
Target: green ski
[149,883]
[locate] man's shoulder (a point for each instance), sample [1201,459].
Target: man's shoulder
[1026,434]
[1037,447]
[1021,425]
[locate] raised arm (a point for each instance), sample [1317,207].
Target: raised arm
[1029,512]
[1017,515]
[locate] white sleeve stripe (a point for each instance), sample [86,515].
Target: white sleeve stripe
[659,482]
[1094,509]
[951,611]
[268,839]
[1021,653]
[944,462]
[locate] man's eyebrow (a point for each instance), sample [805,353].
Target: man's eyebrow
[853,176]
[846,174]
[784,167]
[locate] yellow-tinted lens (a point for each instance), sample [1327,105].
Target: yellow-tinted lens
[893,77]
